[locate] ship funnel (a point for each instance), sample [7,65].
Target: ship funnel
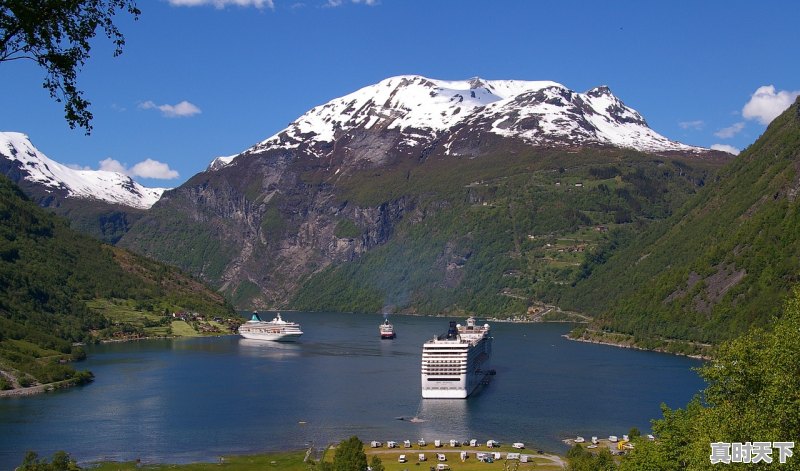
[452,332]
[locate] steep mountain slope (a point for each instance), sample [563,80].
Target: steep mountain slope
[101,203]
[723,263]
[409,165]
[49,274]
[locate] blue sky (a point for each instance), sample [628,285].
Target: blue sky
[204,78]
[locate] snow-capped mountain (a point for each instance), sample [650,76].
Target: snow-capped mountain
[29,164]
[423,111]
[393,160]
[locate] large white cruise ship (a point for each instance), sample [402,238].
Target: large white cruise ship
[277,329]
[454,364]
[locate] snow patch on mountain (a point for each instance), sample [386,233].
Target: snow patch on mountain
[424,110]
[220,162]
[112,187]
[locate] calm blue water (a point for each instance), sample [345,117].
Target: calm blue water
[196,399]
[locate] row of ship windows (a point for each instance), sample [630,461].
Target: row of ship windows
[444,354]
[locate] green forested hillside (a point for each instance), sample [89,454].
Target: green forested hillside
[49,274]
[721,264]
[498,234]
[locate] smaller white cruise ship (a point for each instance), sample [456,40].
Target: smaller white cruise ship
[277,330]
[454,364]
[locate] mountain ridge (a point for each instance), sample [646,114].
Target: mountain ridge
[423,110]
[21,160]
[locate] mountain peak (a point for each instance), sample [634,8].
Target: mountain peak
[20,160]
[597,92]
[416,112]
[476,82]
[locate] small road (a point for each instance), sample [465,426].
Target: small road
[414,451]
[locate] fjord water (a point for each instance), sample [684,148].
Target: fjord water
[195,399]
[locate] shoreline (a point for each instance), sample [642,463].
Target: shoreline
[72,382]
[41,388]
[634,347]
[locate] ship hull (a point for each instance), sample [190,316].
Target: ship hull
[271,337]
[444,394]
[461,389]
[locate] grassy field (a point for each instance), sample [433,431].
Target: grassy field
[149,322]
[183,329]
[126,312]
[389,458]
[290,461]
[293,461]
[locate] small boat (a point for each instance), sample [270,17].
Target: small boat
[387,330]
[579,440]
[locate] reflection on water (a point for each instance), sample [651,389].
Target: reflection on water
[444,419]
[267,349]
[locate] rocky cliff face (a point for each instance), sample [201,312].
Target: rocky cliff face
[258,224]
[258,227]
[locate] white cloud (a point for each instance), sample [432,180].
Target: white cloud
[726,148]
[695,125]
[147,168]
[766,104]
[150,168]
[220,4]
[730,131]
[111,165]
[183,109]
[338,3]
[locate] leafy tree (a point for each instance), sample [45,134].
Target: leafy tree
[56,35]
[376,464]
[325,466]
[752,395]
[581,459]
[31,462]
[60,462]
[350,455]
